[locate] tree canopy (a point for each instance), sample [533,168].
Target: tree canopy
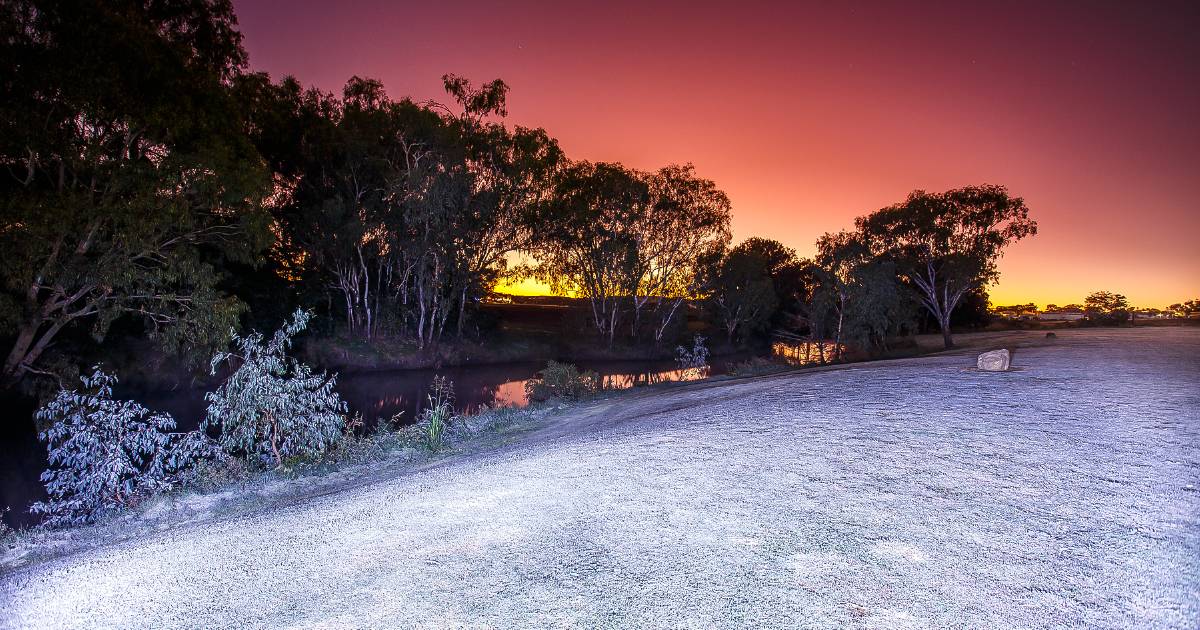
[945,245]
[126,175]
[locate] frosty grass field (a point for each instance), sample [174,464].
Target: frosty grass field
[907,493]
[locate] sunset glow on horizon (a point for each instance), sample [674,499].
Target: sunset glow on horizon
[810,116]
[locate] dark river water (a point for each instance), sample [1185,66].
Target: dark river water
[376,395]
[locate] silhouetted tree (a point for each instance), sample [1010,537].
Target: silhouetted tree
[688,218]
[406,211]
[1184,309]
[742,288]
[1106,308]
[589,242]
[946,244]
[854,294]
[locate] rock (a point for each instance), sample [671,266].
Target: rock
[994,361]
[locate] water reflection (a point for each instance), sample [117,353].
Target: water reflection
[801,353]
[400,394]
[384,395]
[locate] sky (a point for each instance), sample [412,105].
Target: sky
[809,115]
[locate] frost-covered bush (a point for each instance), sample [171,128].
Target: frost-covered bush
[273,406]
[693,361]
[562,380]
[105,453]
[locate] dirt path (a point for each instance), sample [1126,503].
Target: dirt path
[907,493]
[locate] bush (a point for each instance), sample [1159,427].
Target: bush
[272,407]
[693,362]
[436,417]
[562,380]
[106,454]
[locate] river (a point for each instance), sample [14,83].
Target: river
[377,395]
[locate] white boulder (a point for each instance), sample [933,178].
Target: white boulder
[994,361]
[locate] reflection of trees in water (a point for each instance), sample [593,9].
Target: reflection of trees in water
[511,394]
[653,377]
[474,394]
[805,352]
[380,396]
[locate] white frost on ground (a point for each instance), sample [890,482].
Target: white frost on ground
[903,494]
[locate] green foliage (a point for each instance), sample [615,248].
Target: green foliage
[105,454]
[751,286]
[854,296]
[272,405]
[131,180]
[562,381]
[437,415]
[1106,308]
[589,247]
[632,243]
[408,210]
[945,245]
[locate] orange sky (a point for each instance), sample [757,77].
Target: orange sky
[808,116]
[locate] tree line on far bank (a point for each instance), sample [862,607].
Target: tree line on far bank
[152,183]
[1104,308]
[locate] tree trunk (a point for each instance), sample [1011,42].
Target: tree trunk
[462,307]
[837,341]
[14,364]
[946,333]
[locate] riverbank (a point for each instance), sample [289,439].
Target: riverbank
[382,395]
[902,493]
[496,403]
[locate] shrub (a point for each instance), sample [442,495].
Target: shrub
[693,362]
[562,380]
[436,416]
[105,453]
[272,406]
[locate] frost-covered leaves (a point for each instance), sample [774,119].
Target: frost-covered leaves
[695,359]
[562,380]
[105,453]
[273,406]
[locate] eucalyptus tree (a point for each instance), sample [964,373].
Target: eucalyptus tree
[104,454]
[588,243]
[788,278]
[945,245]
[404,210]
[741,291]
[688,219]
[126,175]
[854,293]
[272,406]
[352,175]
[1106,307]
[509,175]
